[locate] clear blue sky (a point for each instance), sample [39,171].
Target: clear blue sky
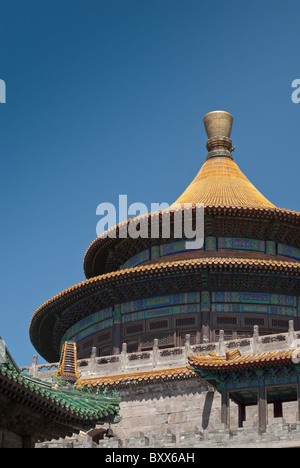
[106,97]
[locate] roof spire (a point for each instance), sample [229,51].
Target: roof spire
[67,369]
[218,126]
[220,182]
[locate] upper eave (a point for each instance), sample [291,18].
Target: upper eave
[277,224]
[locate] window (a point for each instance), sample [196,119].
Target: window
[158,324]
[165,340]
[134,328]
[226,320]
[280,323]
[251,321]
[185,321]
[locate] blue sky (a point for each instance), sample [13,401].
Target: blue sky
[106,97]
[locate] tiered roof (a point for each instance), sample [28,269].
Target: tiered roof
[232,206]
[190,274]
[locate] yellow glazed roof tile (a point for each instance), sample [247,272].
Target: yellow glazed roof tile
[234,359]
[141,377]
[220,182]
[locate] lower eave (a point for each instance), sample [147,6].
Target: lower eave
[129,284]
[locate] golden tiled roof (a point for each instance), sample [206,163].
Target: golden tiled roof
[220,182]
[234,360]
[139,377]
[220,186]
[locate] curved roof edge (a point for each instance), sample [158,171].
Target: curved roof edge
[44,318]
[109,239]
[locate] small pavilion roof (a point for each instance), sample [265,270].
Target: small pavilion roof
[235,360]
[66,408]
[139,378]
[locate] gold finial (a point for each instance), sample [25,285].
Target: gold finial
[218,125]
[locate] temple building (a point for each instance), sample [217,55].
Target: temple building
[137,290]
[150,304]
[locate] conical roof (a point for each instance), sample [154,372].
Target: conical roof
[232,206]
[220,182]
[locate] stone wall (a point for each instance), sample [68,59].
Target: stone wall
[175,406]
[281,435]
[184,412]
[182,407]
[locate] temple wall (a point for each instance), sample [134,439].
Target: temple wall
[169,317]
[182,407]
[175,406]
[186,414]
[182,411]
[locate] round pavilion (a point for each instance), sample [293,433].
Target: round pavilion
[246,273]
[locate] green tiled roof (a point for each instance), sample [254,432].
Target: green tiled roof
[70,406]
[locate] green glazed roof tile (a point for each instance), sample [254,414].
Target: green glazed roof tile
[68,402]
